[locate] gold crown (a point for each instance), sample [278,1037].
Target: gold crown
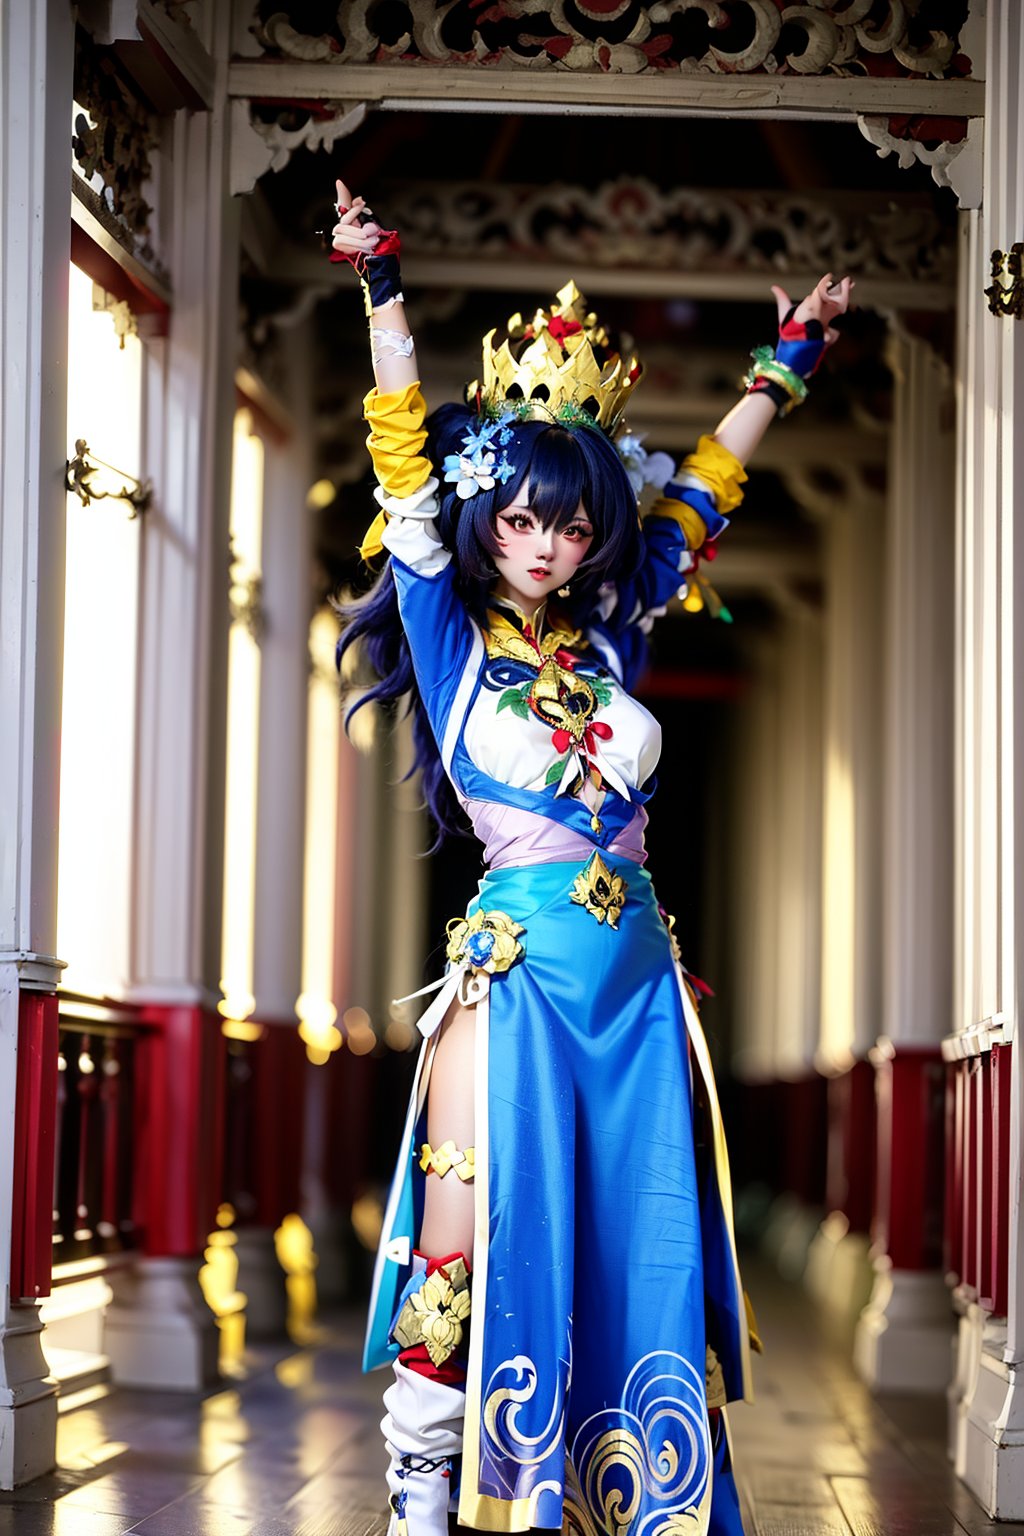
[558,365]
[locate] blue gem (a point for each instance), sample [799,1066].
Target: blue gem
[479,947]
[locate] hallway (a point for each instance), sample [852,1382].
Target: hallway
[294,1451]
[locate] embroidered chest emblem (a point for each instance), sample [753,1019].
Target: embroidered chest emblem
[557,694]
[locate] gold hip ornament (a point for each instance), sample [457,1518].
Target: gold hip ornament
[600,891]
[484,941]
[479,946]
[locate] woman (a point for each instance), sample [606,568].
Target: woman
[564,1145]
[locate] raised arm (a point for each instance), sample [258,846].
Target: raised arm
[439,631]
[805,334]
[373,251]
[683,524]
[394,409]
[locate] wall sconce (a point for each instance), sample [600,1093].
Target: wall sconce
[81,477]
[1006,295]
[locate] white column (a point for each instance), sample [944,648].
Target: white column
[920,557]
[988,1438]
[838,1273]
[284,652]
[36,61]
[903,1338]
[779,861]
[755,860]
[358,780]
[852,884]
[798,877]
[183,612]
[160,1332]
[281,779]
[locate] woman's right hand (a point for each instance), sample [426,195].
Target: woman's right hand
[356,233]
[373,251]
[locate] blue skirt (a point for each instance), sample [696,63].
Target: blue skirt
[604,1260]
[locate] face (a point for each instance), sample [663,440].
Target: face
[535,560]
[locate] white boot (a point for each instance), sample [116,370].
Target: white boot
[423,1432]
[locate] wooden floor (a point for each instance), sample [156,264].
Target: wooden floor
[294,1450]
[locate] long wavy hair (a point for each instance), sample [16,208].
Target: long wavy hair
[564,467]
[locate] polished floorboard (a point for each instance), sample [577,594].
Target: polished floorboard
[293,1450]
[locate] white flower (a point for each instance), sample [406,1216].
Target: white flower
[643,468]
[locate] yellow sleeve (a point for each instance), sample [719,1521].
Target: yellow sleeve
[695,530]
[396,439]
[720,470]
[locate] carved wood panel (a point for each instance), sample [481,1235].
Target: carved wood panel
[840,37]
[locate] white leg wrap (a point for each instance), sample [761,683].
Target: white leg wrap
[423,1424]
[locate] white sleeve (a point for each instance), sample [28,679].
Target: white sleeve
[411,535]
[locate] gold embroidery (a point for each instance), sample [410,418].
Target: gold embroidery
[655,1449]
[556,695]
[562,700]
[447,1156]
[513,642]
[434,1314]
[602,893]
[487,941]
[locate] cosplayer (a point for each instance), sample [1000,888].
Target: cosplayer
[557,1289]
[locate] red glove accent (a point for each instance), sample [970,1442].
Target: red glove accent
[388,244]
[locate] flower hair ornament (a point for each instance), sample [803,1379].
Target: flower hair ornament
[479,465]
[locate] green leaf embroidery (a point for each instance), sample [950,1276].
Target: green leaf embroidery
[516,699]
[556,770]
[602,691]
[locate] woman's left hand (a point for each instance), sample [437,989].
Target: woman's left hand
[826,301]
[805,330]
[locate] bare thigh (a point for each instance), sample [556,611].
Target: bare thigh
[448,1217]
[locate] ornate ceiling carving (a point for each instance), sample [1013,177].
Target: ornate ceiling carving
[811,37]
[630,223]
[951,150]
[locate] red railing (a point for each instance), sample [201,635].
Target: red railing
[264,1124]
[95,1135]
[978,1172]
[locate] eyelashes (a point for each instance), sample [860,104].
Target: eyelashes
[517,521]
[522,522]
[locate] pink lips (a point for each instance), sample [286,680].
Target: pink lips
[540,573]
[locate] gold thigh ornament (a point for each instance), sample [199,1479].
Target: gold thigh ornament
[443,1159]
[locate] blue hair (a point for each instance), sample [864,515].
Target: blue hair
[564,466]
